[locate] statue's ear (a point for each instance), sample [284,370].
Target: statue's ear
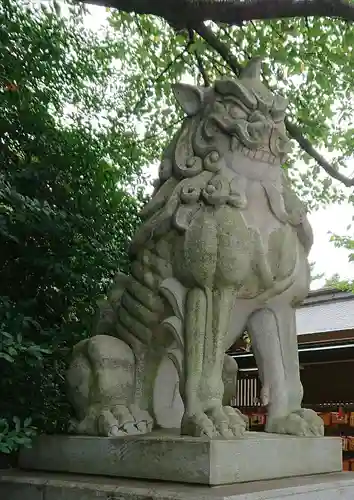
[190,98]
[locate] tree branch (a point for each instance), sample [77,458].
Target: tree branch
[293,130]
[222,49]
[306,145]
[161,74]
[199,61]
[190,12]
[202,70]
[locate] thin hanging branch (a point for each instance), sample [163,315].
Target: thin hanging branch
[235,42]
[306,145]
[207,34]
[157,134]
[202,69]
[199,60]
[190,12]
[218,66]
[294,131]
[161,74]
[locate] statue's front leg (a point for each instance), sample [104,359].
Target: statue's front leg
[227,421]
[207,321]
[195,422]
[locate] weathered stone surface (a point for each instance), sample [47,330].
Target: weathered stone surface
[185,459]
[21,485]
[18,490]
[168,404]
[223,247]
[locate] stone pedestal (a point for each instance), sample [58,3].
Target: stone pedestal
[257,456]
[20,485]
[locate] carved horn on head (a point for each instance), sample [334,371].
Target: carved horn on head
[253,69]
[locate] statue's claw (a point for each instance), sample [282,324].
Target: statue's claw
[221,421]
[237,421]
[114,421]
[300,423]
[198,425]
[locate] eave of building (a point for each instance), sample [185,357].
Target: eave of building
[325,354]
[326,310]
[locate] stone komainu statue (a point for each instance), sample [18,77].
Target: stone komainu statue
[223,247]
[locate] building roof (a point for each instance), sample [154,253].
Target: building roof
[326,310]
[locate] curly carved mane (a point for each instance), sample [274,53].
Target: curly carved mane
[193,171]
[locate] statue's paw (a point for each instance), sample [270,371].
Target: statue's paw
[113,420]
[313,420]
[198,425]
[298,423]
[220,421]
[237,422]
[143,419]
[119,420]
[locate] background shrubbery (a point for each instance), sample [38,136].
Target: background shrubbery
[65,213]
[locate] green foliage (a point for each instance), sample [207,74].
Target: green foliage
[308,60]
[15,436]
[335,281]
[69,201]
[347,243]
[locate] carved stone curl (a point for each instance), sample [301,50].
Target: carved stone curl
[223,247]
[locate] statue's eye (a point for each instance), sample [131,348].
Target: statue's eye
[235,111]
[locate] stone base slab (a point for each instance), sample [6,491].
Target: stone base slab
[20,485]
[255,457]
